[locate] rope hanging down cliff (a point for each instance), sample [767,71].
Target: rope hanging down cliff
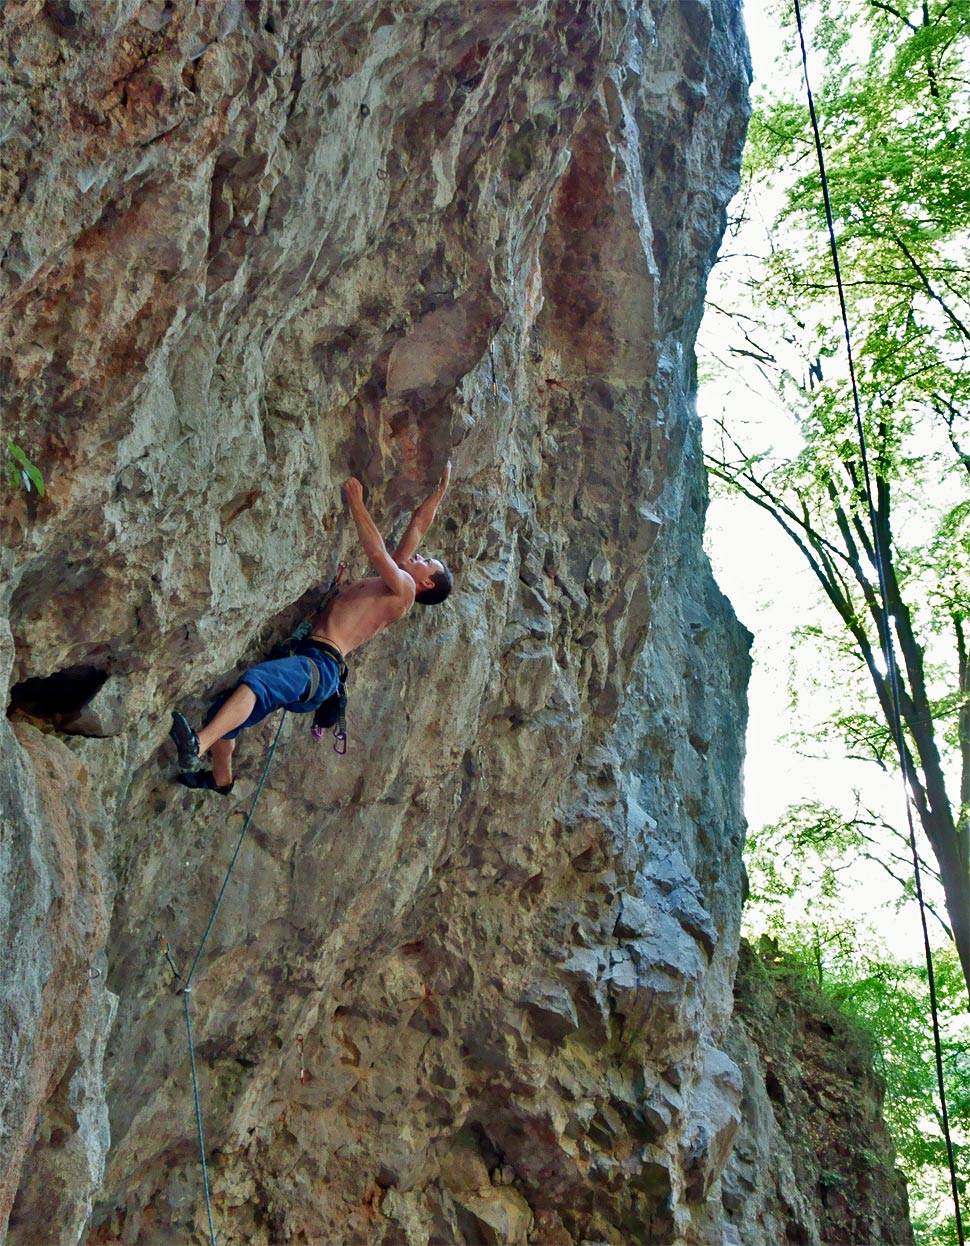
[357,614]
[185,983]
[888,648]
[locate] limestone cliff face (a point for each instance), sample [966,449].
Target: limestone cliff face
[251,248]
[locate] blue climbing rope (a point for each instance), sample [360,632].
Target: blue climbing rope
[186,992]
[185,989]
[242,835]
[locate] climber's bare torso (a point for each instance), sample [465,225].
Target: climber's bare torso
[364,608]
[360,611]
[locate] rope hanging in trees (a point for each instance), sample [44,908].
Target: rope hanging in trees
[888,649]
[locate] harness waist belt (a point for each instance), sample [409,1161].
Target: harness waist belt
[314,687]
[330,650]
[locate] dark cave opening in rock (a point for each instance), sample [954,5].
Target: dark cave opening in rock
[58,696]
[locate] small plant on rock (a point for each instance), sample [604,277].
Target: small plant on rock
[19,472]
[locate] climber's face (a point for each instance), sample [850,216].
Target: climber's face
[421,569]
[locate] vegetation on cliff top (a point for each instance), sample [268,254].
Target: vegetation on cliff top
[796,866]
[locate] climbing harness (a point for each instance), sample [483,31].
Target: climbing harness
[888,648]
[333,712]
[314,672]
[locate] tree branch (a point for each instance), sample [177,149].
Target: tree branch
[942,406]
[925,282]
[888,8]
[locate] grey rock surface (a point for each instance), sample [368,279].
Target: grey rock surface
[250,249]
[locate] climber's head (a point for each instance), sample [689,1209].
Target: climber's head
[431,577]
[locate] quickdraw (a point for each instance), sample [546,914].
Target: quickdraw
[299,1047]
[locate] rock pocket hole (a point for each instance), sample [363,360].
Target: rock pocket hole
[776,1092]
[57,698]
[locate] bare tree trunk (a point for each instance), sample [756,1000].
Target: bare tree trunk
[842,571]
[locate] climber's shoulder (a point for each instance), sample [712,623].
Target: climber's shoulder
[360,611]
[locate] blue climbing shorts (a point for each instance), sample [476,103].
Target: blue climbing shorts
[282,684]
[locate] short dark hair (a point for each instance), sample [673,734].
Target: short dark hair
[442,585]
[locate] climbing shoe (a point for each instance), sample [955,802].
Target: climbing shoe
[204,780]
[186,741]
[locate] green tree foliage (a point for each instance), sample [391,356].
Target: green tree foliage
[815,849]
[893,95]
[886,998]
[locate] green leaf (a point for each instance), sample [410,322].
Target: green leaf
[17,454]
[34,474]
[20,471]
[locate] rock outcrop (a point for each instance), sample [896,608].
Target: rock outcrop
[249,249]
[813,1161]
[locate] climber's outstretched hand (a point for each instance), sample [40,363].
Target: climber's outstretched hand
[354,493]
[443,483]
[426,511]
[422,519]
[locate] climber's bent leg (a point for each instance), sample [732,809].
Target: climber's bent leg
[265,687]
[234,711]
[221,752]
[219,778]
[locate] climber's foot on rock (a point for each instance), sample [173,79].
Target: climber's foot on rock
[204,780]
[186,741]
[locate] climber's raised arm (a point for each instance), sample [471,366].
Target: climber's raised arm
[422,519]
[372,543]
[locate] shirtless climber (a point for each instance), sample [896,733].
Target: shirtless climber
[357,613]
